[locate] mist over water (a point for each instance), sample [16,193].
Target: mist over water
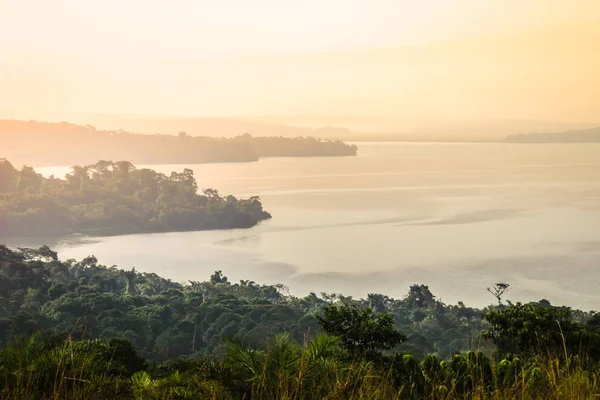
[457,217]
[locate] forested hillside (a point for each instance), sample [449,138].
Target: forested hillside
[43,144]
[77,329]
[165,319]
[110,198]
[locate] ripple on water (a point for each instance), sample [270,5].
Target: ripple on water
[238,241]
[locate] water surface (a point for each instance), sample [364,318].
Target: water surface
[457,217]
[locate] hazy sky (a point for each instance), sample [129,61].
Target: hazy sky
[464,59]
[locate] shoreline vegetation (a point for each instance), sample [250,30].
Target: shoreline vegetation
[115,198]
[29,142]
[76,329]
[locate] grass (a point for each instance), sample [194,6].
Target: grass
[34,368]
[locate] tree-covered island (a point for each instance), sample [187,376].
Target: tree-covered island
[111,198]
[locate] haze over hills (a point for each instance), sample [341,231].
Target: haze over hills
[355,127]
[209,126]
[333,127]
[386,128]
[572,136]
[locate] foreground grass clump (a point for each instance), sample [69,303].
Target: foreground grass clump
[40,368]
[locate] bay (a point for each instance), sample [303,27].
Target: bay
[455,216]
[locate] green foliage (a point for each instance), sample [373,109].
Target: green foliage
[80,330]
[116,198]
[34,367]
[164,319]
[161,318]
[531,329]
[37,368]
[362,332]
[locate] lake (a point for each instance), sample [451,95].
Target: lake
[457,217]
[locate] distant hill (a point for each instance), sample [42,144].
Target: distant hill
[572,136]
[43,143]
[212,127]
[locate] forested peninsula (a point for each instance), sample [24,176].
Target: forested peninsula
[113,198]
[76,329]
[50,144]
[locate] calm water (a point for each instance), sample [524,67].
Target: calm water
[457,217]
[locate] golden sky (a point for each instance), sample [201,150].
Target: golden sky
[415,59]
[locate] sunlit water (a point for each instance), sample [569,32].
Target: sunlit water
[457,217]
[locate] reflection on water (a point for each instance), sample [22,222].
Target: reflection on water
[457,217]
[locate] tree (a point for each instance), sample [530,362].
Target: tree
[211,193]
[8,173]
[79,177]
[43,253]
[420,296]
[498,291]
[361,331]
[378,302]
[131,278]
[218,277]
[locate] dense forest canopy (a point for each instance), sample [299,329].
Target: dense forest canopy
[28,142]
[110,198]
[78,329]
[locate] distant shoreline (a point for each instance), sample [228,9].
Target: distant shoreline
[590,135]
[460,141]
[28,142]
